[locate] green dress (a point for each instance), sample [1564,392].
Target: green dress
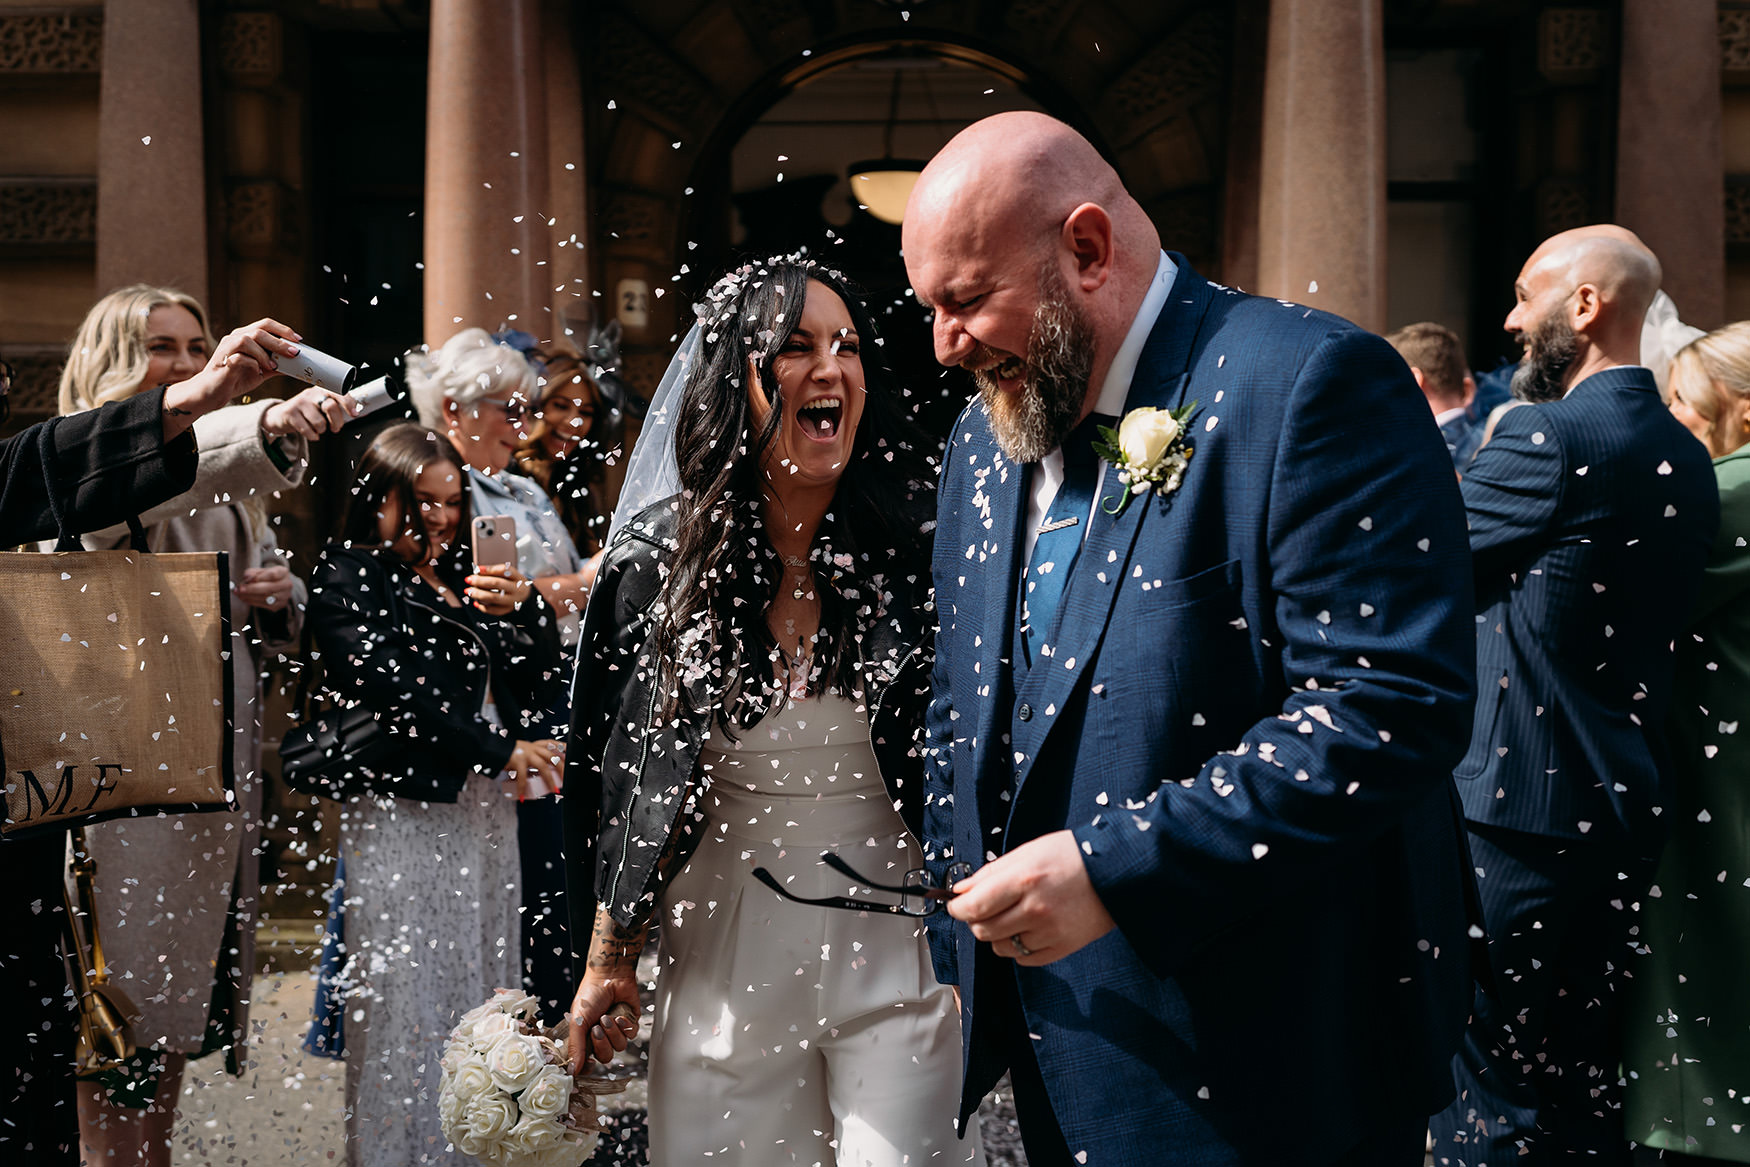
[1686,1048]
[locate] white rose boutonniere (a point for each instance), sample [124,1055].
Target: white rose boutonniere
[1149,450]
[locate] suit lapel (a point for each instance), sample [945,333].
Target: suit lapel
[1162,381]
[1001,499]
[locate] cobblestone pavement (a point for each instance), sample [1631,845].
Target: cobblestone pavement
[287,1108]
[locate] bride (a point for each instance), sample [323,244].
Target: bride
[754,668]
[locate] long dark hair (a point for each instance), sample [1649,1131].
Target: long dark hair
[388,473]
[724,573]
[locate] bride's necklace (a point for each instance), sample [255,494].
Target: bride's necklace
[797,564]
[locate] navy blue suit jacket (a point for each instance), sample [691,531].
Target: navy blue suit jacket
[1259,686]
[1591,519]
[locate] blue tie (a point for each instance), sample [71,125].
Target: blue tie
[1060,535]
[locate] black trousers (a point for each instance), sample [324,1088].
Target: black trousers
[546,932]
[1537,1072]
[39,1120]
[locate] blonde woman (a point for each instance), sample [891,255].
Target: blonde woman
[1684,1048]
[177,896]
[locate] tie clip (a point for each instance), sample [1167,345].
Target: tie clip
[1058,525]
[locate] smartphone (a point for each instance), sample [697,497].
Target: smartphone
[494,541]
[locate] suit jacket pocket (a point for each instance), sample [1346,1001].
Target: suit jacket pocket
[1176,594]
[1177,638]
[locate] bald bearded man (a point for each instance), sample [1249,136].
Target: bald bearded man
[1591,515]
[1195,743]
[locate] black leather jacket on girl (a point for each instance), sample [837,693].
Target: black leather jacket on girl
[643,765]
[425,668]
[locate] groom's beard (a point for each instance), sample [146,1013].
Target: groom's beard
[1033,420]
[1551,346]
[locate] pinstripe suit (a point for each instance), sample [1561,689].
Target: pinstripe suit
[1258,687]
[1591,519]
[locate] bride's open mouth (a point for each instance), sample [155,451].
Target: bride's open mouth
[820,418]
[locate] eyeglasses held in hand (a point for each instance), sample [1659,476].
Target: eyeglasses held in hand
[919,895]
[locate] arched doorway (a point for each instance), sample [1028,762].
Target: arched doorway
[685,109]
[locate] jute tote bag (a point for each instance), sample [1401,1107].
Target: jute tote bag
[115,681]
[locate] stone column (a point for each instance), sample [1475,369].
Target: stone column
[1322,208]
[151,160]
[486,169]
[567,187]
[1245,123]
[1670,166]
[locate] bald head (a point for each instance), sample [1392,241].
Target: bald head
[1609,257]
[1581,299]
[1015,210]
[1017,176]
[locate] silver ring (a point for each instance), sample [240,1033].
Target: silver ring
[1020,949]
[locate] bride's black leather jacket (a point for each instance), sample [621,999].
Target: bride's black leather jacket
[629,770]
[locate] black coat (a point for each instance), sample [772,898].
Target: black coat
[108,463]
[629,774]
[424,668]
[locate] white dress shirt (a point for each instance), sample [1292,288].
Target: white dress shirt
[1114,392]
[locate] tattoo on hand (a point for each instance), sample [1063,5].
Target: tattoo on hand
[173,411]
[613,948]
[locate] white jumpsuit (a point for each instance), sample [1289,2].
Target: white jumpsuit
[786,1033]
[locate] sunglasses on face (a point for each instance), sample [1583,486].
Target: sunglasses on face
[918,891]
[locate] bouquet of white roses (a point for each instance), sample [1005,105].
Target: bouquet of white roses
[506,1096]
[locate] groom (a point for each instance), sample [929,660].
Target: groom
[1195,742]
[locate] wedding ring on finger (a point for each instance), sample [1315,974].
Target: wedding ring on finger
[1020,949]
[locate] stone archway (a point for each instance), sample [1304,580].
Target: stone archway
[668,92]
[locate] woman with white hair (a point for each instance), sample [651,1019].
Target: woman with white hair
[479,391]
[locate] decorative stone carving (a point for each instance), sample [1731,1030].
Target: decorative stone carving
[1562,203]
[763,15]
[1037,17]
[36,384]
[48,213]
[1735,42]
[51,42]
[257,222]
[251,47]
[644,368]
[1738,208]
[1189,65]
[1571,44]
[1186,222]
[631,217]
[637,69]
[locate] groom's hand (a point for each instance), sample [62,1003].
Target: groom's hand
[1039,893]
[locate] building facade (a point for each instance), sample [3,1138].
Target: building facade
[382,172]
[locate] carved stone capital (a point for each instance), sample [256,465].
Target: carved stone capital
[633,219]
[1037,17]
[258,219]
[70,41]
[36,384]
[1738,208]
[1562,203]
[1186,67]
[1186,222]
[48,213]
[632,63]
[1571,44]
[1735,42]
[251,47]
